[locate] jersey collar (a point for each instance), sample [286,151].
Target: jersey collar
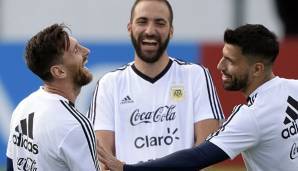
[251,98]
[53,96]
[152,80]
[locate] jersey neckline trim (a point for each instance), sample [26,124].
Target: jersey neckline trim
[262,87]
[152,80]
[54,96]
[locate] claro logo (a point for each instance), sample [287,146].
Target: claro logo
[151,141]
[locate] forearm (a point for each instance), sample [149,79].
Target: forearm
[192,159]
[9,165]
[107,140]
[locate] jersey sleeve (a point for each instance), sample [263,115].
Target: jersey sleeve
[191,159]
[102,104]
[207,104]
[78,151]
[9,150]
[9,147]
[238,133]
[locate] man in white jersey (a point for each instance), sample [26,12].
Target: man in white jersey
[47,132]
[265,130]
[157,104]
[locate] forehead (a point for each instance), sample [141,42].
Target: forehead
[72,42]
[151,9]
[232,51]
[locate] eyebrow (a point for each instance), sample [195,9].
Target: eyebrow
[155,19]
[141,18]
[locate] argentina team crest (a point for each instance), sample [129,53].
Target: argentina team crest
[177,93]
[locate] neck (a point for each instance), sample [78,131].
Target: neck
[257,83]
[68,91]
[152,69]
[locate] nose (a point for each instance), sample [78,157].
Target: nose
[85,51]
[220,65]
[150,29]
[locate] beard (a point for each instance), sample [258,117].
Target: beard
[149,58]
[82,77]
[237,83]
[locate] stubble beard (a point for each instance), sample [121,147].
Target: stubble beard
[149,58]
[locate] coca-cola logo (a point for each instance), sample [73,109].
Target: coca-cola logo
[161,114]
[294,151]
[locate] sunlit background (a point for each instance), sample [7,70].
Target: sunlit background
[101,26]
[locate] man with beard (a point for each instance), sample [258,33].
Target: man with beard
[47,132]
[264,130]
[157,104]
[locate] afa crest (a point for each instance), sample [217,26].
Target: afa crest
[177,93]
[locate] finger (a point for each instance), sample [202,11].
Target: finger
[106,167]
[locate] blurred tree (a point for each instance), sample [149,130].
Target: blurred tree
[288,12]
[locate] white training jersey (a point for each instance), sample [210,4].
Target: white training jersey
[265,130]
[48,133]
[154,117]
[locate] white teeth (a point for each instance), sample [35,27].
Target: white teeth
[149,41]
[85,62]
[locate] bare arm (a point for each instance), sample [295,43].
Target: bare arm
[203,129]
[106,139]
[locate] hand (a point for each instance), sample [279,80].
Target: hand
[108,160]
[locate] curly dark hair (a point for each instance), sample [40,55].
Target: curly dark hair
[165,1]
[255,41]
[46,49]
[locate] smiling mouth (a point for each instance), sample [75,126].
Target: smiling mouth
[225,77]
[85,62]
[149,42]
[150,45]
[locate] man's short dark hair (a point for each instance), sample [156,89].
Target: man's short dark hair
[165,1]
[254,40]
[46,49]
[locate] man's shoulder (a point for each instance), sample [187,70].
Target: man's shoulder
[289,82]
[64,115]
[189,67]
[114,74]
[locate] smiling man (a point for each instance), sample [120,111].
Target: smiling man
[264,130]
[156,104]
[47,132]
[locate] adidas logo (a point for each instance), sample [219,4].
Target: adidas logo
[126,100]
[291,118]
[24,132]
[251,100]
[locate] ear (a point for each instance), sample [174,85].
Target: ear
[58,71]
[171,31]
[259,69]
[129,28]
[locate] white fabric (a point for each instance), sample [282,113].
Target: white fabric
[57,141]
[263,131]
[152,118]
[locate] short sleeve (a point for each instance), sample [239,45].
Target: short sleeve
[9,152]
[238,133]
[207,104]
[102,106]
[78,151]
